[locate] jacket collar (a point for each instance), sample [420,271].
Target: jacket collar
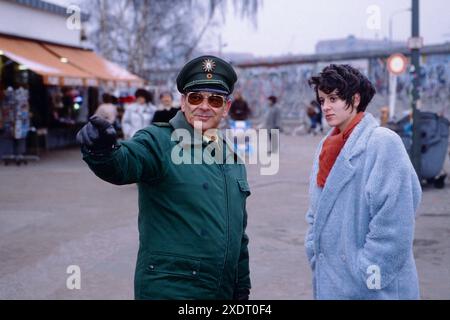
[357,142]
[343,169]
[179,122]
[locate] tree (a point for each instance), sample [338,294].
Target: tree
[144,35]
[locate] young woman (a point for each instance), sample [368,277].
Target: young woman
[364,194]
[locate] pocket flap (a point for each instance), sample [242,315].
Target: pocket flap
[243,186]
[174,264]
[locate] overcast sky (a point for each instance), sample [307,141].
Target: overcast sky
[295,26]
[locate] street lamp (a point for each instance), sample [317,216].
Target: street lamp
[390,22]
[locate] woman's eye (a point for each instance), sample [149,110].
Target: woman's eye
[333,99]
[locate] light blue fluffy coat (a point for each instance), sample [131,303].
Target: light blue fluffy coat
[364,217]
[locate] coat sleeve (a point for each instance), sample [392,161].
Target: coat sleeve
[393,193]
[243,282]
[138,159]
[309,237]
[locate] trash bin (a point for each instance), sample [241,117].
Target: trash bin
[434,133]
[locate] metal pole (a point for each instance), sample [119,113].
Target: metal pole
[390,31]
[415,60]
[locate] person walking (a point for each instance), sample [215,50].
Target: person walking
[166,110]
[273,122]
[139,114]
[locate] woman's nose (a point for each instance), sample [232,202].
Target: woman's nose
[325,107]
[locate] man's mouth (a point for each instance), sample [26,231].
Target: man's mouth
[202,117]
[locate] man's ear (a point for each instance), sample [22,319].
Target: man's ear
[356,100]
[183,102]
[227,108]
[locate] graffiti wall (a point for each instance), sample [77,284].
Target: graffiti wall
[290,84]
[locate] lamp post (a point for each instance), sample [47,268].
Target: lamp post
[415,43]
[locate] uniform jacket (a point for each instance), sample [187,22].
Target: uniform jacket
[361,224]
[192,217]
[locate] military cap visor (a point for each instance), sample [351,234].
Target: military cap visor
[207,73]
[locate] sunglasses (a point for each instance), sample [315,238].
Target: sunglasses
[214,100]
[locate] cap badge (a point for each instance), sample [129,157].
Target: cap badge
[208,65]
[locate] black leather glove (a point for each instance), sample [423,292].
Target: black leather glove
[98,136]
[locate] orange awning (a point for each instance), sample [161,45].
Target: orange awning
[34,56]
[110,73]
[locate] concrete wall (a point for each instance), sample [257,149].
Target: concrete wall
[290,84]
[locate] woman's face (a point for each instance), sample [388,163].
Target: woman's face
[336,111]
[141,100]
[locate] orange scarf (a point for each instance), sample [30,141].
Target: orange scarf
[332,147]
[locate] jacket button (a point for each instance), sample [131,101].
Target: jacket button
[205,186]
[194,272]
[152,267]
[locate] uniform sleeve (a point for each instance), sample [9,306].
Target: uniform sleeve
[138,159]
[393,192]
[243,284]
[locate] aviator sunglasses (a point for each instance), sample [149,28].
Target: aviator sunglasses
[214,100]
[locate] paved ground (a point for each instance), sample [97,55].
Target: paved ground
[55,213]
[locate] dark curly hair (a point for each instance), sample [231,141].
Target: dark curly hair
[147,95]
[347,81]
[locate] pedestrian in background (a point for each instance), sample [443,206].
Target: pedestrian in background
[273,122]
[239,110]
[166,109]
[107,110]
[313,115]
[139,114]
[364,195]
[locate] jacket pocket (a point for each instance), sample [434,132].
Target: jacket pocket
[244,187]
[174,265]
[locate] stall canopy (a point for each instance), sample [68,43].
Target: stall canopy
[101,68]
[33,56]
[66,66]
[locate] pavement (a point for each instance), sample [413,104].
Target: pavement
[55,213]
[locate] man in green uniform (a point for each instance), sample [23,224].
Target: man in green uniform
[192,215]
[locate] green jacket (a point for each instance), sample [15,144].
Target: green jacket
[192,217]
